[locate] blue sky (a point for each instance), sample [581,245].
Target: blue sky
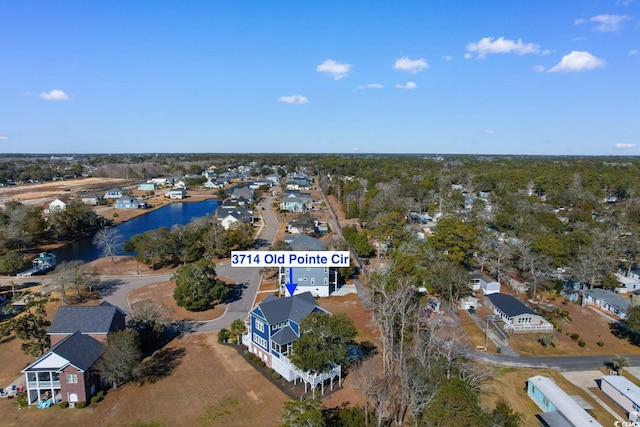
[556,77]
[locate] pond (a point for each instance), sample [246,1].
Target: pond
[166,216]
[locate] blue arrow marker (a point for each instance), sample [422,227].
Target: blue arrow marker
[291,287]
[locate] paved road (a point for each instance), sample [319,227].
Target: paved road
[116,288]
[562,363]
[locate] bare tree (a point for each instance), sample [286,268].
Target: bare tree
[109,241]
[367,379]
[70,274]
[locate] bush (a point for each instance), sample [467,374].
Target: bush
[600,343]
[275,376]
[255,359]
[21,400]
[575,336]
[63,405]
[581,343]
[223,335]
[100,394]
[81,405]
[95,400]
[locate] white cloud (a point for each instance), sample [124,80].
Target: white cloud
[538,68]
[468,55]
[488,45]
[336,69]
[447,57]
[633,52]
[371,86]
[408,85]
[623,146]
[293,99]
[605,23]
[578,39]
[4,137]
[577,61]
[489,131]
[410,65]
[54,95]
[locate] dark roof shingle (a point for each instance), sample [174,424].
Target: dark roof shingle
[86,319]
[509,305]
[295,308]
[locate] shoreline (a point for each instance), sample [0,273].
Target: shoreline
[132,213]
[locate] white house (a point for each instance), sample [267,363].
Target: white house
[490,288]
[477,279]
[607,301]
[517,317]
[624,393]
[629,282]
[176,193]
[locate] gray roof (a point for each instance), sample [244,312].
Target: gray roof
[284,336]
[302,242]
[555,419]
[80,350]
[509,305]
[295,308]
[86,319]
[610,298]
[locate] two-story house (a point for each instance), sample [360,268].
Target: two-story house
[320,281]
[274,325]
[294,201]
[114,193]
[66,372]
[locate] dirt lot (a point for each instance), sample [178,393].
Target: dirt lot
[48,191]
[210,384]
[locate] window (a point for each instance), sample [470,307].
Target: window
[259,325]
[72,378]
[260,341]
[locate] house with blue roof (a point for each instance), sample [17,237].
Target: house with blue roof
[274,325]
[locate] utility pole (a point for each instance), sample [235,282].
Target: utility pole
[486,333]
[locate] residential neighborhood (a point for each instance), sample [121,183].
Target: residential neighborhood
[500,316]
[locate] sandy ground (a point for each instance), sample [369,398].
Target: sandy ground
[205,384]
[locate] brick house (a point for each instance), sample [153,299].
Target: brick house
[66,372]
